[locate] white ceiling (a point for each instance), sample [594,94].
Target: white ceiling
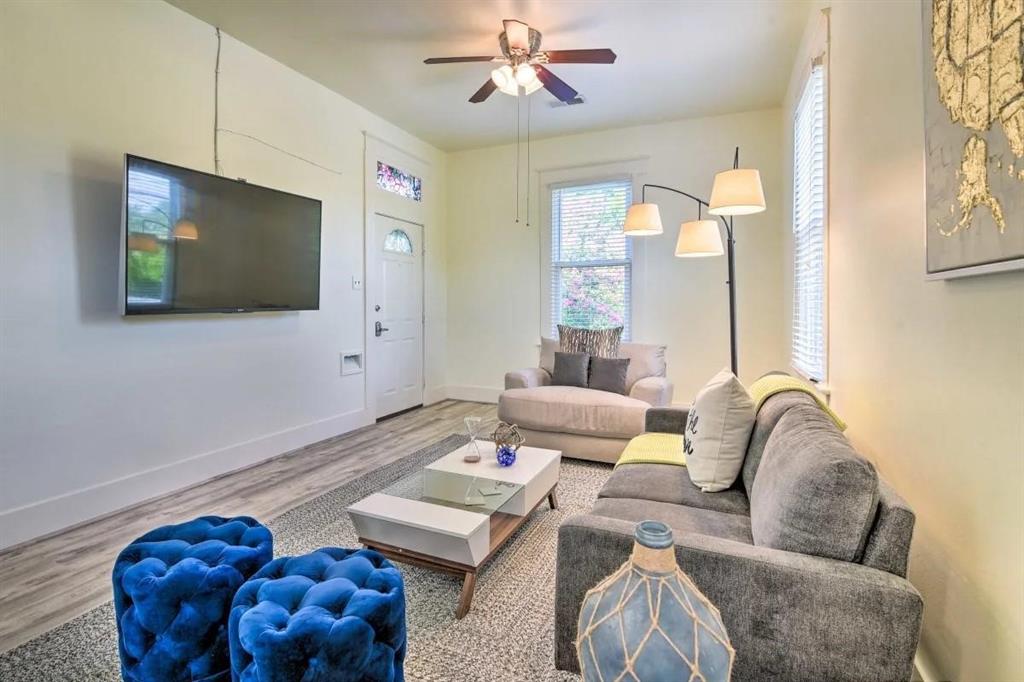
[676,59]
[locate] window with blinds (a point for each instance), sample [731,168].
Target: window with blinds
[591,258]
[809,229]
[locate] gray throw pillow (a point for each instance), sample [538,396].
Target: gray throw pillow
[570,369]
[609,374]
[602,343]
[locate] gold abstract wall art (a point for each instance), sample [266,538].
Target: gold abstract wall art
[974,136]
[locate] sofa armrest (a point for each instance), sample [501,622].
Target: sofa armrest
[527,378]
[789,616]
[656,391]
[666,420]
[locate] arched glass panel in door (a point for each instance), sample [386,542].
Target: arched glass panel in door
[398,241]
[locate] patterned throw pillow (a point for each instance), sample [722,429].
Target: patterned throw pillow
[600,343]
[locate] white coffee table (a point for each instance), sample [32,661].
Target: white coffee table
[453,515]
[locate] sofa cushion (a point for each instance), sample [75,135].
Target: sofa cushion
[608,374]
[570,369]
[813,493]
[548,348]
[717,432]
[671,484]
[568,409]
[683,520]
[764,423]
[603,343]
[645,360]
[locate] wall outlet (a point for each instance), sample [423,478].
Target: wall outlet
[357,282]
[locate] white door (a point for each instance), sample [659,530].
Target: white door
[396,315]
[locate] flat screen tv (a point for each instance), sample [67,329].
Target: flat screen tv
[193,242]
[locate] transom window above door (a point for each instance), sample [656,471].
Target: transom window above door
[398,241]
[591,257]
[397,181]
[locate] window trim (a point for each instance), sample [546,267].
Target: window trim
[821,59]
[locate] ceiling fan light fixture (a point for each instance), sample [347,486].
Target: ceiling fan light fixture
[526,75]
[533,87]
[503,77]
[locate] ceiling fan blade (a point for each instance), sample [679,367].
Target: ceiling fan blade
[484,92]
[517,33]
[456,60]
[555,85]
[602,56]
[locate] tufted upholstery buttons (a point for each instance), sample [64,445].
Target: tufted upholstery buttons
[334,614]
[172,591]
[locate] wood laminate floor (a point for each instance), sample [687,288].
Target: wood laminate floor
[49,581]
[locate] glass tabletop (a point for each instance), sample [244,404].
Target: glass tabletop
[455,490]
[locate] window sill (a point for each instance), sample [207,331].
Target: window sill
[822,387]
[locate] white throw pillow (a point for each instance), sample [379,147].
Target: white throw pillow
[717,432]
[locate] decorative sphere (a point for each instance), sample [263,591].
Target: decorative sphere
[506,456]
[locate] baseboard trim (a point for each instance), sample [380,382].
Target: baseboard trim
[434,394]
[61,512]
[476,394]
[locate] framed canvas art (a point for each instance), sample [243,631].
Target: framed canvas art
[974,136]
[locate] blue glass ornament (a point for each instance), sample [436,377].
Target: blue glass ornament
[506,456]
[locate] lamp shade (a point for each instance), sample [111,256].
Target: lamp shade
[737,192]
[699,238]
[185,229]
[642,220]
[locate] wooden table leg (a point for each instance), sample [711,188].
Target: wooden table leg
[553,499]
[466,598]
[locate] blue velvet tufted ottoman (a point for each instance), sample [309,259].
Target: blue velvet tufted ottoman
[172,592]
[334,614]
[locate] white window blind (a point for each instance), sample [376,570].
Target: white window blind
[591,258]
[809,229]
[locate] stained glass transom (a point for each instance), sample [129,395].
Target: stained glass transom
[391,179]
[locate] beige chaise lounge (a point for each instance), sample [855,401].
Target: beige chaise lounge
[582,422]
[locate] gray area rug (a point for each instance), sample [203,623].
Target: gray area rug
[508,634]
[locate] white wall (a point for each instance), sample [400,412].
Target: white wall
[494,264]
[99,411]
[929,375]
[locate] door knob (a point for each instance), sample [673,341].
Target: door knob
[378,328]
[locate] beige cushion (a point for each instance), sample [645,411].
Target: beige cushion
[717,431]
[569,409]
[645,360]
[548,348]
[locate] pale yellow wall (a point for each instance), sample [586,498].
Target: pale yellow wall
[929,375]
[494,264]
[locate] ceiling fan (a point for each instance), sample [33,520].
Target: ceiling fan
[523,64]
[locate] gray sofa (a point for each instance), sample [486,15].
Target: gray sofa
[583,422]
[805,556]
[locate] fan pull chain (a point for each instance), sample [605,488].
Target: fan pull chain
[528,181]
[517,160]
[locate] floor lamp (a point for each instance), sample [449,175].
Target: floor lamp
[735,192]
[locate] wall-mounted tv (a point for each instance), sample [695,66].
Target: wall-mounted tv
[193,242]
